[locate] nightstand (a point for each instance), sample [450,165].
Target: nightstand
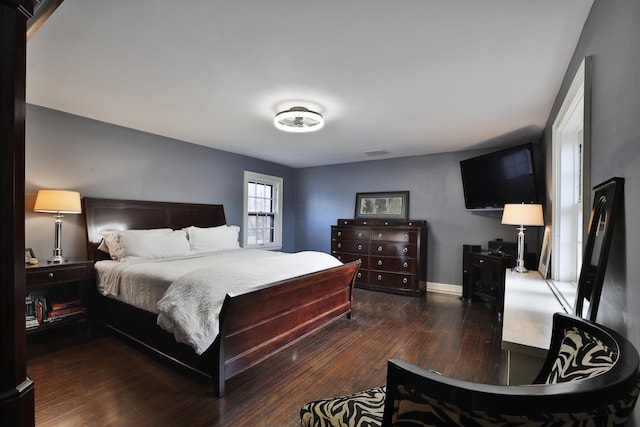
[57,293]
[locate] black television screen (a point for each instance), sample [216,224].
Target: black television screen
[506,176]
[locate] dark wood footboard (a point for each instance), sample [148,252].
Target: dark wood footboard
[255,325]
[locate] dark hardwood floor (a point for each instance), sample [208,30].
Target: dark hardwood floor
[103,381]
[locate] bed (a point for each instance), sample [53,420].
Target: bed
[252,326]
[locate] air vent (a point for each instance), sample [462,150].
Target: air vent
[375,152]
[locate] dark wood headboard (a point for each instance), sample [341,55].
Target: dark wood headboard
[115,214]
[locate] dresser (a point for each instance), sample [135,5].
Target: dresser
[393,253]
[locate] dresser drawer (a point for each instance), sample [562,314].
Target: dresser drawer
[362,276]
[393,249]
[404,265]
[393,280]
[349,246]
[46,276]
[390,235]
[349,234]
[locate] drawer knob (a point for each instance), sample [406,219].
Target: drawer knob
[379,248]
[379,277]
[51,275]
[359,234]
[481,261]
[379,262]
[359,275]
[405,250]
[339,257]
[359,247]
[339,233]
[339,245]
[405,264]
[405,281]
[406,236]
[379,235]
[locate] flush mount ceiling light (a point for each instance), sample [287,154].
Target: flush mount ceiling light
[298,119]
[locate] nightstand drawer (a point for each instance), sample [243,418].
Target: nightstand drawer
[58,274]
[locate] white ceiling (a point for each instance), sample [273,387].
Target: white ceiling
[409,77]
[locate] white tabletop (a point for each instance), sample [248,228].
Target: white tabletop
[529,305]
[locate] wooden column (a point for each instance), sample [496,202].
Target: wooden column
[16,390]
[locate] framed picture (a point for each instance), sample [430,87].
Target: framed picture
[391,205]
[28,253]
[545,252]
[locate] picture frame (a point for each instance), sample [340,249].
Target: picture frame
[28,253]
[382,205]
[545,253]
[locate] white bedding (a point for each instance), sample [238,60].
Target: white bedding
[187,293]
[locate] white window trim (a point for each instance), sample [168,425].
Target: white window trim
[571,132]
[277,183]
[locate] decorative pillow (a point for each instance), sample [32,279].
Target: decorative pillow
[581,356]
[111,244]
[223,237]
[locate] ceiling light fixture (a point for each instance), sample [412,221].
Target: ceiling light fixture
[298,119]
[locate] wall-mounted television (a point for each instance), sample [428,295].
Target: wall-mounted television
[505,176]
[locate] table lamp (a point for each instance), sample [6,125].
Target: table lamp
[521,215]
[58,202]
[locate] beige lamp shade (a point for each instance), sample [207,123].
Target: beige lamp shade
[55,201]
[522,214]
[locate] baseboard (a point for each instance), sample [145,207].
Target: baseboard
[444,288]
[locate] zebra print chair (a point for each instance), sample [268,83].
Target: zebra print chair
[590,378]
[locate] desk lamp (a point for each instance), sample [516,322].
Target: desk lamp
[58,202]
[521,215]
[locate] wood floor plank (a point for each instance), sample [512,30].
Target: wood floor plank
[103,381]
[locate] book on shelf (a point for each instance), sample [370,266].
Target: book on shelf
[65,303]
[32,322]
[63,312]
[49,311]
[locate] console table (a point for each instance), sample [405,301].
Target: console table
[529,304]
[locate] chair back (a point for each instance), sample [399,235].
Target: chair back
[590,377]
[607,206]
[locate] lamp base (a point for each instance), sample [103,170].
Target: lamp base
[57,259]
[519,269]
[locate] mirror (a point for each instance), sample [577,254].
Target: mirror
[607,205]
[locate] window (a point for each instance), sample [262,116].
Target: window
[262,211]
[571,186]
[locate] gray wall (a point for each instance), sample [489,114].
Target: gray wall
[97,159]
[611,36]
[435,194]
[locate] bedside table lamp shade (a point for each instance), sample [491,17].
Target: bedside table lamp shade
[58,202]
[521,215]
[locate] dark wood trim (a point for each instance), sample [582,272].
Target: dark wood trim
[16,390]
[42,11]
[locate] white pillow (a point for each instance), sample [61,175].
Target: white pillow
[223,237]
[153,243]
